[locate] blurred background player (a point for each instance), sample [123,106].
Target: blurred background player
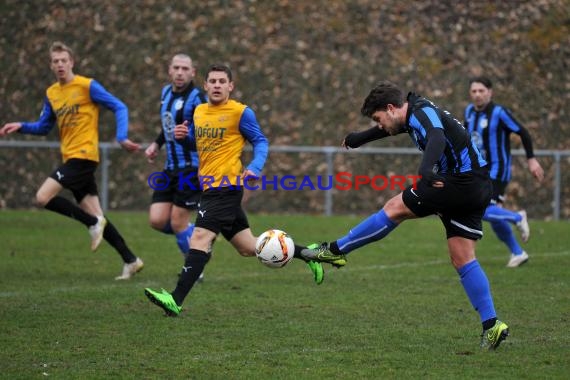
[491,125]
[72,103]
[171,206]
[221,128]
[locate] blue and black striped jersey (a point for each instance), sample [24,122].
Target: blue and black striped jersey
[460,154]
[175,108]
[490,129]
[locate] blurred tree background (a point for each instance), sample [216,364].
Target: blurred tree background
[304,67]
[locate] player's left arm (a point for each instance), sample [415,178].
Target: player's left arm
[428,122]
[513,125]
[249,128]
[101,96]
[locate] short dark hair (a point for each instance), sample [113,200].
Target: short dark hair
[483,80]
[220,67]
[380,96]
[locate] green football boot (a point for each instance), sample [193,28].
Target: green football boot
[491,338]
[318,271]
[321,254]
[163,300]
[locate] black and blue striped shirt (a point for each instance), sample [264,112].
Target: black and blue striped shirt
[490,129]
[460,154]
[175,108]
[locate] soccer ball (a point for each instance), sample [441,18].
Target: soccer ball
[274,248]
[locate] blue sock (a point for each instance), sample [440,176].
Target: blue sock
[167,229]
[498,214]
[373,228]
[505,233]
[477,287]
[183,239]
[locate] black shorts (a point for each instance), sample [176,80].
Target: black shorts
[499,188]
[78,176]
[220,212]
[182,189]
[460,204]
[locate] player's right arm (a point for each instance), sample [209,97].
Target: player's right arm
[356,139]
[42,126]
[151,152]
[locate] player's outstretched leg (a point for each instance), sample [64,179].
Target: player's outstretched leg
[321,253]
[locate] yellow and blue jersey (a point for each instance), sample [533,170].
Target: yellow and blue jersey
[74,107]
[221,132]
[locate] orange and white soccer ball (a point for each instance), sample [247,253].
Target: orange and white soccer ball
[274,248]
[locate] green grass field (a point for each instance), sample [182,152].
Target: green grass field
[397,310]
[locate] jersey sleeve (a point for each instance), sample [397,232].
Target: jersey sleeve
[101,96]
[195,99]
[43,125]
[249,128]
[514,126]
[428,119]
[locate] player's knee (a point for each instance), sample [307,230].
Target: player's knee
[42,199]
[159,224]
[396,210]
[156,224]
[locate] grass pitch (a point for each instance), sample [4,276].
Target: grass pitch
[397,310]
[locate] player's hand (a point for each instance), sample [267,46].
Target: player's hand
[433,179]
[181,130]
[249,176]
[535,169]
[347,142]
[248,180]
[130,146]
[10,128]
[151,152]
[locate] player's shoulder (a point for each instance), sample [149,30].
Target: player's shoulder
[237,107]
[82,81]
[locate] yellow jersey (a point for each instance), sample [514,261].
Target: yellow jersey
[220,142]
[74,108]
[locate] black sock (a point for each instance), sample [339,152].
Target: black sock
[489,323]
[297,253]
[333,247]
[194,264]
[113,237]
[67,208]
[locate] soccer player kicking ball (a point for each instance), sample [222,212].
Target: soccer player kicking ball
[454,185]
[221,128]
